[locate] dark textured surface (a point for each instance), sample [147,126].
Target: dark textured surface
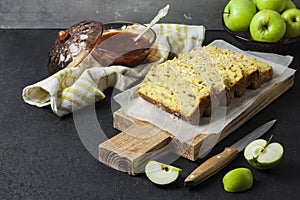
[42,157]
[58,13]
[63,13]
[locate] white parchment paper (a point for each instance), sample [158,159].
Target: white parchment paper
[140,109]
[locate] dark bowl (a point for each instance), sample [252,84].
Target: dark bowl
[117,45]
[283,46]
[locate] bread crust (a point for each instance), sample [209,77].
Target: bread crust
[195,115]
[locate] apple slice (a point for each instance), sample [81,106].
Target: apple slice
[160,173]
[262,154]
[238,180]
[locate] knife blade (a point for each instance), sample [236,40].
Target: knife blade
[219,161]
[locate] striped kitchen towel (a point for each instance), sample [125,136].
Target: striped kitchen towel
[74,88]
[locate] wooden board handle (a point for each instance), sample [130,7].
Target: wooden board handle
[211,166]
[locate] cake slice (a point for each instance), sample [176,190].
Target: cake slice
[265,73]
[179,90]
[255,72]
[248,67]
[228,71]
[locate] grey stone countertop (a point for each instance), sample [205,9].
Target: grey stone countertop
[42,157]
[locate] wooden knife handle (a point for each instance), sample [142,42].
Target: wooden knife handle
[211,166]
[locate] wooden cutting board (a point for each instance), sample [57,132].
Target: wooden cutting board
[130,152]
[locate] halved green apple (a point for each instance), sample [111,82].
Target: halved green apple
[160,173]
[262,154]
[238,180]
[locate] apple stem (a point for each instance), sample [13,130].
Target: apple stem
[263,149]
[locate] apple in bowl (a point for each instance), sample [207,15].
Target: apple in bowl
[267,26]
[277,34]
[292,19]
[276,5]
[237,14]
[290,4]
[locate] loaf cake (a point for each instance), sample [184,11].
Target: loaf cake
[180,91]
[185,85]
[249,69]
[229,72]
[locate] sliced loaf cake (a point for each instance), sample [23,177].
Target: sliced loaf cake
[180,91]
[229,72]
[185,85]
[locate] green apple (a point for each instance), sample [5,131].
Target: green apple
[267,26]
[263,155]
[238,180]
[238,14]
[276,5]
[160,173]
[290,4]
[292,19]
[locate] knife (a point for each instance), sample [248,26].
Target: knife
[219,161]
